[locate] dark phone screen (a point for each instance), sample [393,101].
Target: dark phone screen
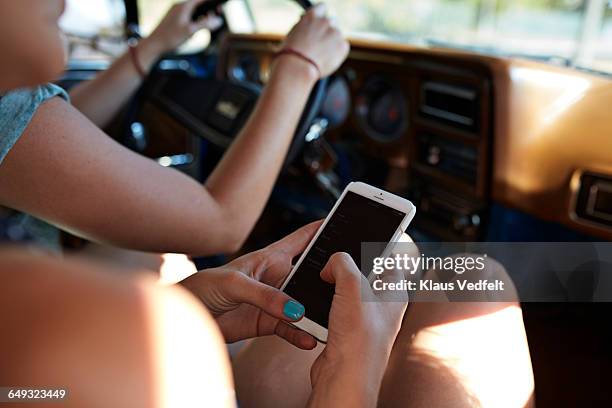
[357,219]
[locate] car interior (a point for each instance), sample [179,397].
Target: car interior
[489,146]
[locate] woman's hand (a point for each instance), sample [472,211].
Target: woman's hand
[177,26]
[363,325]
[243,295]
[318,38]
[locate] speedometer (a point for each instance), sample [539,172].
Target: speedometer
[245,68]
[382,110]
[337,104]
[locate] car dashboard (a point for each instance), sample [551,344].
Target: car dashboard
[462,133]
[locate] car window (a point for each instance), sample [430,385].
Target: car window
[150,13]
[569,32]
[94,29]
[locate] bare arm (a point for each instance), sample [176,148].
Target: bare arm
[101,98]
[68,172]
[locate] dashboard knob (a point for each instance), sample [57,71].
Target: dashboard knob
[137,138]
[460,222]
[433,155]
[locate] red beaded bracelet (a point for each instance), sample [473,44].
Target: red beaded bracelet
[292,51]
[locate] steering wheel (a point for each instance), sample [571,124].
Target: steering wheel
[217,109]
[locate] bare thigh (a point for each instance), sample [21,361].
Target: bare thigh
[461,354]
[447,354]
[269,372]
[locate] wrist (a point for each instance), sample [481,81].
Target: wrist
[349,384]
[365,350]
[359,369]
[149,50]
[297,68]
[367,367]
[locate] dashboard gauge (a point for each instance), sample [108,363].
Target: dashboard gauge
[337,103]
[245,69]
[382,110]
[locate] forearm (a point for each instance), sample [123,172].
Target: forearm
[101,98]
[66,171]
[240,185]
[121,198]
[243,180]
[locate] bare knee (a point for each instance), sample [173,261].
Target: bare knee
[461,353]
[472,278]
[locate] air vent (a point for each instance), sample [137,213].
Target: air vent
[454,158]
[453,105]
[594,201]
[444,212]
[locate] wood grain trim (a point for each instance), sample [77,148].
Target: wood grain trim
[550,123]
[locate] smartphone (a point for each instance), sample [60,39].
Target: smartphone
[363,213]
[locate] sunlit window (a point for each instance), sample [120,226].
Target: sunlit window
[94,28]
[569,32]
[152,11]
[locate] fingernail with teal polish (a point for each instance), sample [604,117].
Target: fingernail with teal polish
[293,310]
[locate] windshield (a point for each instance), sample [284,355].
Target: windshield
[569,32]
[94,28]
[152,11]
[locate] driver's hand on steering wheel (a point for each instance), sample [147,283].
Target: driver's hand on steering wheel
[177,25]
[317,37]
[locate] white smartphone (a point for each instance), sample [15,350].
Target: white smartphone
[362,214]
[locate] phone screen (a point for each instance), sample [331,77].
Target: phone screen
[357,219]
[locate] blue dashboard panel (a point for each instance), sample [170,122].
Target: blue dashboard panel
[310,206]
[510,225]
[195,65]
[419,236]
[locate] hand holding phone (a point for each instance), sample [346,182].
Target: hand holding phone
[243,295]
[362,214]
[360,338]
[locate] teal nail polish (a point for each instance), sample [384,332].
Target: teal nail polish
[293,310]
